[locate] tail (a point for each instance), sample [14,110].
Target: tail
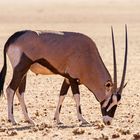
[3,73]
[11,40]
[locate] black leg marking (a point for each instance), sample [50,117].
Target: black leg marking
[26,109]
[64,88]
[18,74]
[80,109]
[60,108]
[111,112]
[22,85]
[12,109]
[20,71]
[9,120]
[74,86]
[22,88]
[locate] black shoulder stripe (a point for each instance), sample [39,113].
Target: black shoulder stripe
[14,37]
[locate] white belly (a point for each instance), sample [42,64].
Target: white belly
[39,69]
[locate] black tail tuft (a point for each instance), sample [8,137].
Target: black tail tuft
[3,74]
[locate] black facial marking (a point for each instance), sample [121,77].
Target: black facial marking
[60,108]
[80,109]
[103,111]
[110,101]
[118,97]
[101,103]
[64,88]
[111,112]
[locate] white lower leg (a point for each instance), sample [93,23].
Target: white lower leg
[10,98]
[23,107]
[58,109]
[78,108]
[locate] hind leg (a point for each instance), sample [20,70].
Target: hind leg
[20,94]
[11,89]
[19,71]
[63,92]
[10,97]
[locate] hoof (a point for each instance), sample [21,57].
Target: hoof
[30,121]
[58,122]
[13,122]
[83,122]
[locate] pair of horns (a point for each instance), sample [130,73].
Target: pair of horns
[115,65]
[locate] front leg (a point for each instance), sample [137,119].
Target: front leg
[63,92]
[76,95]
[78,108]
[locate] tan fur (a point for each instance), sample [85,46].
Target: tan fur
[68,52]
[39,69]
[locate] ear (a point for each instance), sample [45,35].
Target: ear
[108,86]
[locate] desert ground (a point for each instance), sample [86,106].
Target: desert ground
[93,18]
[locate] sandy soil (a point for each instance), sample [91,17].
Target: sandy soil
[94,19]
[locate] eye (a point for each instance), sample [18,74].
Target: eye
[108,85]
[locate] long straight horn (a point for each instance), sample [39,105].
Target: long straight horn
[114,61]
[125,62]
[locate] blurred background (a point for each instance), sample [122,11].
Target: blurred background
[93,18]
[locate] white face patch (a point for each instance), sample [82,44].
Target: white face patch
[106,103]
[14,54]
[115,102]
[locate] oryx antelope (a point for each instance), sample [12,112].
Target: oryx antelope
[71,55]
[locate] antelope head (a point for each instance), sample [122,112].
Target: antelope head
[108,106]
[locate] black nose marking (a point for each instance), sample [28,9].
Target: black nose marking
[108,123]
